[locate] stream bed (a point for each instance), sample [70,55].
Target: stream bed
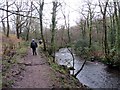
[94,74]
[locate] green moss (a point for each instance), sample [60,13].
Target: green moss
[22,51]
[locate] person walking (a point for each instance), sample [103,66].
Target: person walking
[40,41]
[34,45]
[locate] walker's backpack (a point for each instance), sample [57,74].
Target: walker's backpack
[33,45]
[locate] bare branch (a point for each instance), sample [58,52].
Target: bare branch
[18,13]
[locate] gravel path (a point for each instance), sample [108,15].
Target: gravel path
[37,73]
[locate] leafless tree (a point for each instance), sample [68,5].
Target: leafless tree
[20,20]
[67,25]
[40,12]
[53,31]
[103,9]
[3,24]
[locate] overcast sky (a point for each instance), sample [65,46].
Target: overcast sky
[71,7]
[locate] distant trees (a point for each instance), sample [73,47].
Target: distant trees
[19,17]
[102,28]
[3,24]
[6,29]
[112,51]
[86,23]
[117,21]
[21,20]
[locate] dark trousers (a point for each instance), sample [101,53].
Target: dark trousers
[34,51]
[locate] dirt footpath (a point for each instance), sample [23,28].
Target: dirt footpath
[37,73]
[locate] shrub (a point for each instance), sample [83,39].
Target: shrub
[81,48]
[22,51]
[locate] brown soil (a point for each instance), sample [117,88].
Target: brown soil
[37,73]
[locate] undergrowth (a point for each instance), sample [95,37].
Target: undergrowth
[12,51]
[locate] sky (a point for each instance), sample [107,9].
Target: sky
[71,7]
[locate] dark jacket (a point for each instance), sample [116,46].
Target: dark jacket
[33,44]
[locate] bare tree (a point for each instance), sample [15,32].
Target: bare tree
[3,24]
[40,12]
[67,25]
[54,10]
[28,24]
[20,20]
[83,25]
[7,18]
[90,21]
[88,16]
[103,9]
[53,30]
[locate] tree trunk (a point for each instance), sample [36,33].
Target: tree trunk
[41,24]
[84,30]
[17,33]
[3,24]
[8,27]
[90,33]
[103,11]
[28,24]
[53,37]
[53,29]
[73,58]
[17,27]
[80,68]
[105,36]
[68,27]
[27,36]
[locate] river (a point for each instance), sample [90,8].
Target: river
[94,74]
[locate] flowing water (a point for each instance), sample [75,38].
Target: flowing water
[94,74]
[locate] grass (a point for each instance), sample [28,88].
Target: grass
[55,66]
